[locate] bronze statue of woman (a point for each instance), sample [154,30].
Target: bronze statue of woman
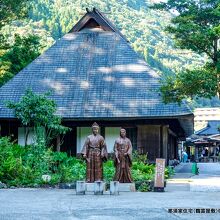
[95,153]
[123,158]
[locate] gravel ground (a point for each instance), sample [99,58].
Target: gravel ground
[57,204]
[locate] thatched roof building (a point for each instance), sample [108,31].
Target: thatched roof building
[95,75]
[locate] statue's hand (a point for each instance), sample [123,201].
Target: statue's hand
[84,155]
[125,154]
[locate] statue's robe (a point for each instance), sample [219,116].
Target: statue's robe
[96,153]
[123,162]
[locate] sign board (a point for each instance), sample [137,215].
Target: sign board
[159,175]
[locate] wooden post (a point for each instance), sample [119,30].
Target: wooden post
[159,175]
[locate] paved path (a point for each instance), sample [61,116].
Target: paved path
[212,169]
[57,204]
[207,180]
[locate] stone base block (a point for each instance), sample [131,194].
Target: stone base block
[126,187]
[80,188]
[90,187]
[159,189]
[114,185]
[99,188]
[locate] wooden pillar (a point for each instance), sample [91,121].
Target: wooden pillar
[161,141]
[165,143]
[58,143]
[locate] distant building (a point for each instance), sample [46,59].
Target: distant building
[212,128]
[204,145]
[203,115]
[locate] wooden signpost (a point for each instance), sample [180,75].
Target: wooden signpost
[159,175]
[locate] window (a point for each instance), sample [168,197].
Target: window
[111,134]
[29,131]
[82,133]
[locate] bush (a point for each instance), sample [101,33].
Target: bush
[109,170]
[70,169]
[144,187]
[24,166]
[169,171]
[10,161]
[139,157]
[140,171]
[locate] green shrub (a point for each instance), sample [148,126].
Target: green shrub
[24,166]
[141,171]
[71,169]
[10,161]
[136,157]
[169,171]
[144,187]
[109,170]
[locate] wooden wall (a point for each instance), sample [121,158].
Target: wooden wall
[9,128]
[156,141]
[69,142]
[148,140]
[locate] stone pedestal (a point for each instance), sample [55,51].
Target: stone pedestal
[90,187]
[99,187]
[159,189]
[126,187]
[114,188]
[80,188]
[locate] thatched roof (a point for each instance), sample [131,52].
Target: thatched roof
[94,73]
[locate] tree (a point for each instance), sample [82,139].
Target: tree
[15,57]
[11,10]
[36,110]
[195,26]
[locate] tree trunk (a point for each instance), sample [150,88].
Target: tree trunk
[27,131]
[215,60]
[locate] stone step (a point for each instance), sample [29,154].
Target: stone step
[177,187]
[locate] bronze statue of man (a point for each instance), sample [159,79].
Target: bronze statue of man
[95,153]
[123,158]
